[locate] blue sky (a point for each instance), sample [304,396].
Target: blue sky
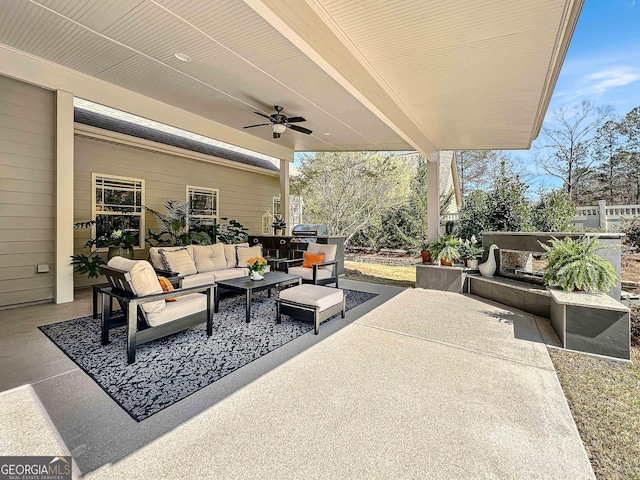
[603,61]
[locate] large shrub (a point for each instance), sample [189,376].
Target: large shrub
[632,231]
[554,212]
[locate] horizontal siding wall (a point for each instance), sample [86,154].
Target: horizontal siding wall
[244,195]
[27,192]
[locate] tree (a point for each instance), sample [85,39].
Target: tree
[503,208]
[565,143]
[629,127]
[478,169]
[608,170]
[554,212]
[350,191]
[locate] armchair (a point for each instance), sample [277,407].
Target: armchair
[148,316]
[321,273]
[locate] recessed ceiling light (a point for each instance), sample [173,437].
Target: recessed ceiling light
[182,56]
[327,133]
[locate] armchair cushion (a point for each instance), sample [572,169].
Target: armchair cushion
[209,258]
[188,305]
[178,261]
[230,254]
[310,258]
[329,251]
[143,280]
[307,273]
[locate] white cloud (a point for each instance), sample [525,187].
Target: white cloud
[599,82]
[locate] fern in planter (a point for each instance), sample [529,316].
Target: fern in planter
[446,249]
[574,265]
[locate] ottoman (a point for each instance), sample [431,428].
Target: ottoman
[311,303]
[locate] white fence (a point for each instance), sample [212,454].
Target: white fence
[604,217]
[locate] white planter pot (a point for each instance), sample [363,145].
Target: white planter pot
[472,263]
[256,276]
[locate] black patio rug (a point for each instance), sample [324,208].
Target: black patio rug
[170,369]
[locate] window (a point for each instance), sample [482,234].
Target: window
[117,205]
[204,209]
[276,206]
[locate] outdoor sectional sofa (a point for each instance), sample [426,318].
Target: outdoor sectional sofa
[203,264]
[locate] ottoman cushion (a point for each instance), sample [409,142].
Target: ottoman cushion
[313,295]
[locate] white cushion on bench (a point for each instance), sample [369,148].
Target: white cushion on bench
[230,273]
[209,258]
[186,305]
[313,295]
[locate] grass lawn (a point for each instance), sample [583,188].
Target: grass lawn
[385,274]
[604,397]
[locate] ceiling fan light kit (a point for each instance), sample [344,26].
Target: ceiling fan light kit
[280,122]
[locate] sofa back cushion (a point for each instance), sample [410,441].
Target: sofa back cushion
[143,280]
[245,253]
[209,258]
[230,254]
[178,261]
[156,259]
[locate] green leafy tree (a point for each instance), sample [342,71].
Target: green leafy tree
[554,212]
[507,206]
[473,217]
[351,191]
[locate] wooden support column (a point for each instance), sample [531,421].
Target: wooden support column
[284,193]
[64,197]
[433,196]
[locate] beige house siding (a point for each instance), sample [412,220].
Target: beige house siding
[243,195]
[27,192]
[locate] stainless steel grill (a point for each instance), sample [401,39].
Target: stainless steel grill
[310,230]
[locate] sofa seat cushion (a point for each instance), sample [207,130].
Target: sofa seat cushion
[144,280]
[209,258]
[307,273]
[156,259]
[178,261]
[186,305]
[230,254]
[313,295]
[198,280]
[231,273]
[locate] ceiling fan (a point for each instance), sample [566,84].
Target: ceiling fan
[280,122]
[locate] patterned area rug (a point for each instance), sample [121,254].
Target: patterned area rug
[170,369]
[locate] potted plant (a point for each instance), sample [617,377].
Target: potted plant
[424,251]
[279,225]
[471,252]
[573,265]
[257,267]
[119,243]
[179,228]
[446,249]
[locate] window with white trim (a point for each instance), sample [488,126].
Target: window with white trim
[204,209]
[118,205]
[276,206]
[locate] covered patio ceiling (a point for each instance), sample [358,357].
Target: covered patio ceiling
[367,75]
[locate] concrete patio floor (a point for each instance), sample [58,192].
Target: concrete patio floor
[427,385]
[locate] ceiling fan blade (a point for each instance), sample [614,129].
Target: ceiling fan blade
[300,129]
[262,115]
[296,119]
[258,125]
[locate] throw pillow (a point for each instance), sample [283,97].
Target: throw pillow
[209,258]
[178,261]
[156,259]
[245,253]
[167,286]
[309,259]
[230,254]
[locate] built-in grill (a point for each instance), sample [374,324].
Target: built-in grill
[309,231]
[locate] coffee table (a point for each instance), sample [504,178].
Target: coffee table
[246,285]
